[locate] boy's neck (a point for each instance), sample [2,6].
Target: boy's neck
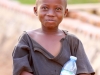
[50,31]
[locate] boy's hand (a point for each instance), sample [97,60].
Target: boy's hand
[25,73]
[84,74]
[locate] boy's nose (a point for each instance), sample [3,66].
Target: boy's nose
[50,13]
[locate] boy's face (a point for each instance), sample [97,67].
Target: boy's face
[50,12]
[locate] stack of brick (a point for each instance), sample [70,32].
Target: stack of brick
[15,18]
[85,17]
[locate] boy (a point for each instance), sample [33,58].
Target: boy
[50,49]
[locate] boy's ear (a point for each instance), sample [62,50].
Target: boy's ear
[35,10]
[66,13]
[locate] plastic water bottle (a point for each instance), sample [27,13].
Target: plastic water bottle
[69,67]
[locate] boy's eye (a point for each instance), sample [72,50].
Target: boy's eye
[44,8]
[58,9]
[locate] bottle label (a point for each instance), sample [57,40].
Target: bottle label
[65,72]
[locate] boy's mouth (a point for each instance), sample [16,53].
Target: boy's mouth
[50,20]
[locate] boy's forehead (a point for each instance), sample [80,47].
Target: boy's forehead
[60,2]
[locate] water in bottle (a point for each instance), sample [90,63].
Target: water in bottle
[69,67]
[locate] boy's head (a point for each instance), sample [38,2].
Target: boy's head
[51,11]
[65,2]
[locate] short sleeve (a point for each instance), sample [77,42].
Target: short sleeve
[21,57]
[83,64]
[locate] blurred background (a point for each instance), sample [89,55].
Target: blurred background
[16,16]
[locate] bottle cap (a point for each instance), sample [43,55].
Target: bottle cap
[73,57]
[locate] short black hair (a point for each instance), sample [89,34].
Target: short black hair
[65,1]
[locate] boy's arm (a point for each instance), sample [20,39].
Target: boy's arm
[21,57]
[84,74]
[26,73]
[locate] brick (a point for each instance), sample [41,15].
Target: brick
[85,17]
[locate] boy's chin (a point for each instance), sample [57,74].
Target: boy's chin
[51,26]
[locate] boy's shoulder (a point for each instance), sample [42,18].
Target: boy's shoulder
[32,33]
[70,36]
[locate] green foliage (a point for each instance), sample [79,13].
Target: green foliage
[27,1]
[69,1]
[82,1]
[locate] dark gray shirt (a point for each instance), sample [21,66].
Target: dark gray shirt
[30,56]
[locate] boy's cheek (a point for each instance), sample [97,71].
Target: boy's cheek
[61,14]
